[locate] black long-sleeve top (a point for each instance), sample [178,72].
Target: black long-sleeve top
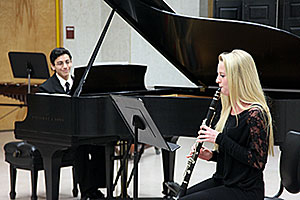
[243,150]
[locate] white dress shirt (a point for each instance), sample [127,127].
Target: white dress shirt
[63,81]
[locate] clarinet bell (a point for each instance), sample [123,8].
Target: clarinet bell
[173,188]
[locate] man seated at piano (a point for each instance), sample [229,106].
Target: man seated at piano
[243,135]
[89,159]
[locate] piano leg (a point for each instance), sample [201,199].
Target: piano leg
[52,158]
[168,159]
[125,151]
[109,153]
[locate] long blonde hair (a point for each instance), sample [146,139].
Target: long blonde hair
[244,88]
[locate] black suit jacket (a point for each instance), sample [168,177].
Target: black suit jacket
[52,85]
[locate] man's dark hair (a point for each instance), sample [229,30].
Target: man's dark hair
[55,53]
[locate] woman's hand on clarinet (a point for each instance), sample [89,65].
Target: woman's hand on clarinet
[205,153]
[207,134]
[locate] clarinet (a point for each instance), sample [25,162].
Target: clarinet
[181,191]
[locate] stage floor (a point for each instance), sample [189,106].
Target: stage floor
[150,174]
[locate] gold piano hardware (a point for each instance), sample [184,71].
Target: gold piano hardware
[186,95]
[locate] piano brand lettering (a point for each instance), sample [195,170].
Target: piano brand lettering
[47,118]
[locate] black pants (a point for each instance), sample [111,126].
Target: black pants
[212,189]
[90,168]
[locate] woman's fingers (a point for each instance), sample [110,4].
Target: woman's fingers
[204,127]
[192,152]
[204,136]
[193,149]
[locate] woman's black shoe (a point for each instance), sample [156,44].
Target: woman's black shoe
[95,195]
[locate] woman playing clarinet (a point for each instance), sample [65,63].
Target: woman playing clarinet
[243,135]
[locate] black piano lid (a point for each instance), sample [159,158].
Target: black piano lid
[112,77]
[193,44]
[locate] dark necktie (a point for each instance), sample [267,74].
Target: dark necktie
[67,87]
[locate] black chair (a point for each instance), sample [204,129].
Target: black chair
[289,165]
[22,155]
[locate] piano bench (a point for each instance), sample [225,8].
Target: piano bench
[23,155]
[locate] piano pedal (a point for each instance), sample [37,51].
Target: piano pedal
[117,150]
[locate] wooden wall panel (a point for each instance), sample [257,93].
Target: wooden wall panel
[9,114]
[29,26]
[26,25]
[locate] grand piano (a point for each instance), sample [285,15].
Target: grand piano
[192,45]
